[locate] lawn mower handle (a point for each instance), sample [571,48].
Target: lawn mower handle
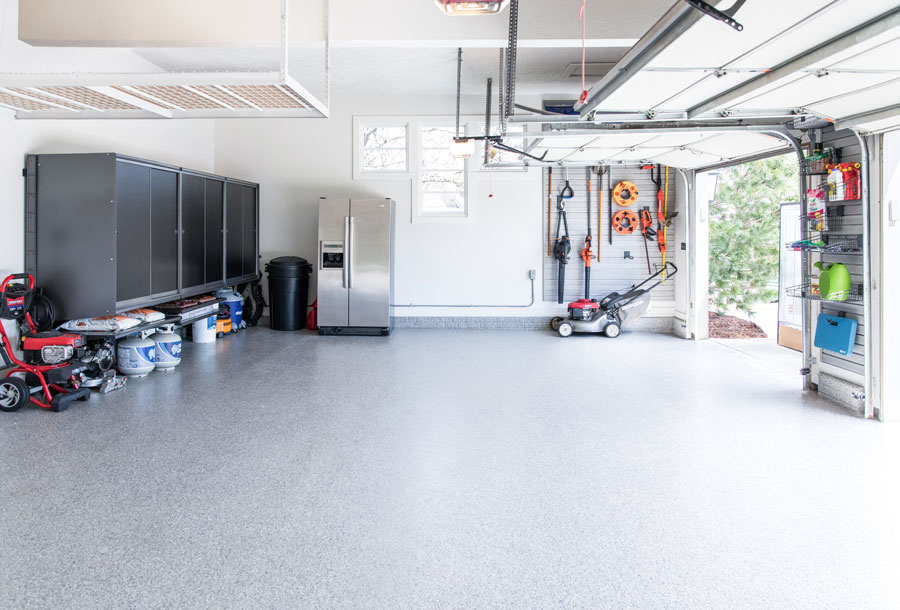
[657,274]
[17,276]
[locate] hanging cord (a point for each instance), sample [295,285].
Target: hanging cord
[584,93]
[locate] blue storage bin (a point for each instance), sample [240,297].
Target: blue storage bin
[835,334]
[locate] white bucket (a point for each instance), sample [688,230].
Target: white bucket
[204,331]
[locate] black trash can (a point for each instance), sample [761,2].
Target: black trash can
[288,290]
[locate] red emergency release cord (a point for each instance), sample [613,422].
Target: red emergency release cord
[584,92]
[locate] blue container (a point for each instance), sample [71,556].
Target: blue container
[235,304]
[835,334]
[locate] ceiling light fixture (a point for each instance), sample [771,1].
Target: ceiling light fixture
[471,7]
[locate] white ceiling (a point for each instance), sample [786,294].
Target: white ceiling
[407,47]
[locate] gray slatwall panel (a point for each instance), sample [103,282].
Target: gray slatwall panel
[612,272]
[850,152]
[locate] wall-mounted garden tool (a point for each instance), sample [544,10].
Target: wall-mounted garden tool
[647,232]
[563,246]
[663,218]
[609,212]
[586,253]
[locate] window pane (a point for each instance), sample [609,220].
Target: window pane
[444,182]
[502,156]
[442,177]
[437,137]
[441,159]
[444,203]
[384,149]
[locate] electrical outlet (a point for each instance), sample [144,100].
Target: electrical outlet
[532,274]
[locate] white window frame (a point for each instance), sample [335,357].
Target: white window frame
[359,124]
[480,167]
[418,213]
[473,168]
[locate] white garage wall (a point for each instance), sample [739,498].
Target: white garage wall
[296,161]
[480,262]
[187,143]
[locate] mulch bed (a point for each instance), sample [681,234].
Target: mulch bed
[731,327]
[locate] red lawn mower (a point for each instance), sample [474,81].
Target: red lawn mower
[47,376]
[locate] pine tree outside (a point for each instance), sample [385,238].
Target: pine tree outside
[744,230]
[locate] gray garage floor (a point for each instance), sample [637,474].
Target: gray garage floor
[451,469]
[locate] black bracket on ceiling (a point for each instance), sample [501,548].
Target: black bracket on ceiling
[497,142]
[724,16]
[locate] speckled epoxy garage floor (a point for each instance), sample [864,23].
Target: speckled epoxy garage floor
[451,469]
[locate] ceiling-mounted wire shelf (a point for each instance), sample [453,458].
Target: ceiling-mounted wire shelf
[810,292]
[828,242]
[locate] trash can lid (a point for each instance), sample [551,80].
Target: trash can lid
[288,262]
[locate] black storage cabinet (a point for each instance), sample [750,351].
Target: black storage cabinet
[107,233]
[288,292]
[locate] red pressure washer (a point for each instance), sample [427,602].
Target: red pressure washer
[47,366]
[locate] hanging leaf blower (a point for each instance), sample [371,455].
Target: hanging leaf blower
[563,245]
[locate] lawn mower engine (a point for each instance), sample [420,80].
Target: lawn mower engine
[52,347]
[583,309]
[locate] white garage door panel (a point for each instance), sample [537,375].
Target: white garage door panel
[640,154]
[879,53]
[686,159]
[621,140]
[881,126]
[568,142]
[711,43]
[648,89]
[812,88]
[591,155]
[827,25]
[684,138]
[707,88]
[863,101]
[738,144]
[770,87]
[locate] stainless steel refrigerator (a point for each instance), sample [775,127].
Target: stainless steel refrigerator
[356,266]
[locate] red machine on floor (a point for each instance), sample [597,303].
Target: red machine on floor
[47,369]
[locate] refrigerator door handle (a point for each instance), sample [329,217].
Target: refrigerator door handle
[350,254]
[346,265]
